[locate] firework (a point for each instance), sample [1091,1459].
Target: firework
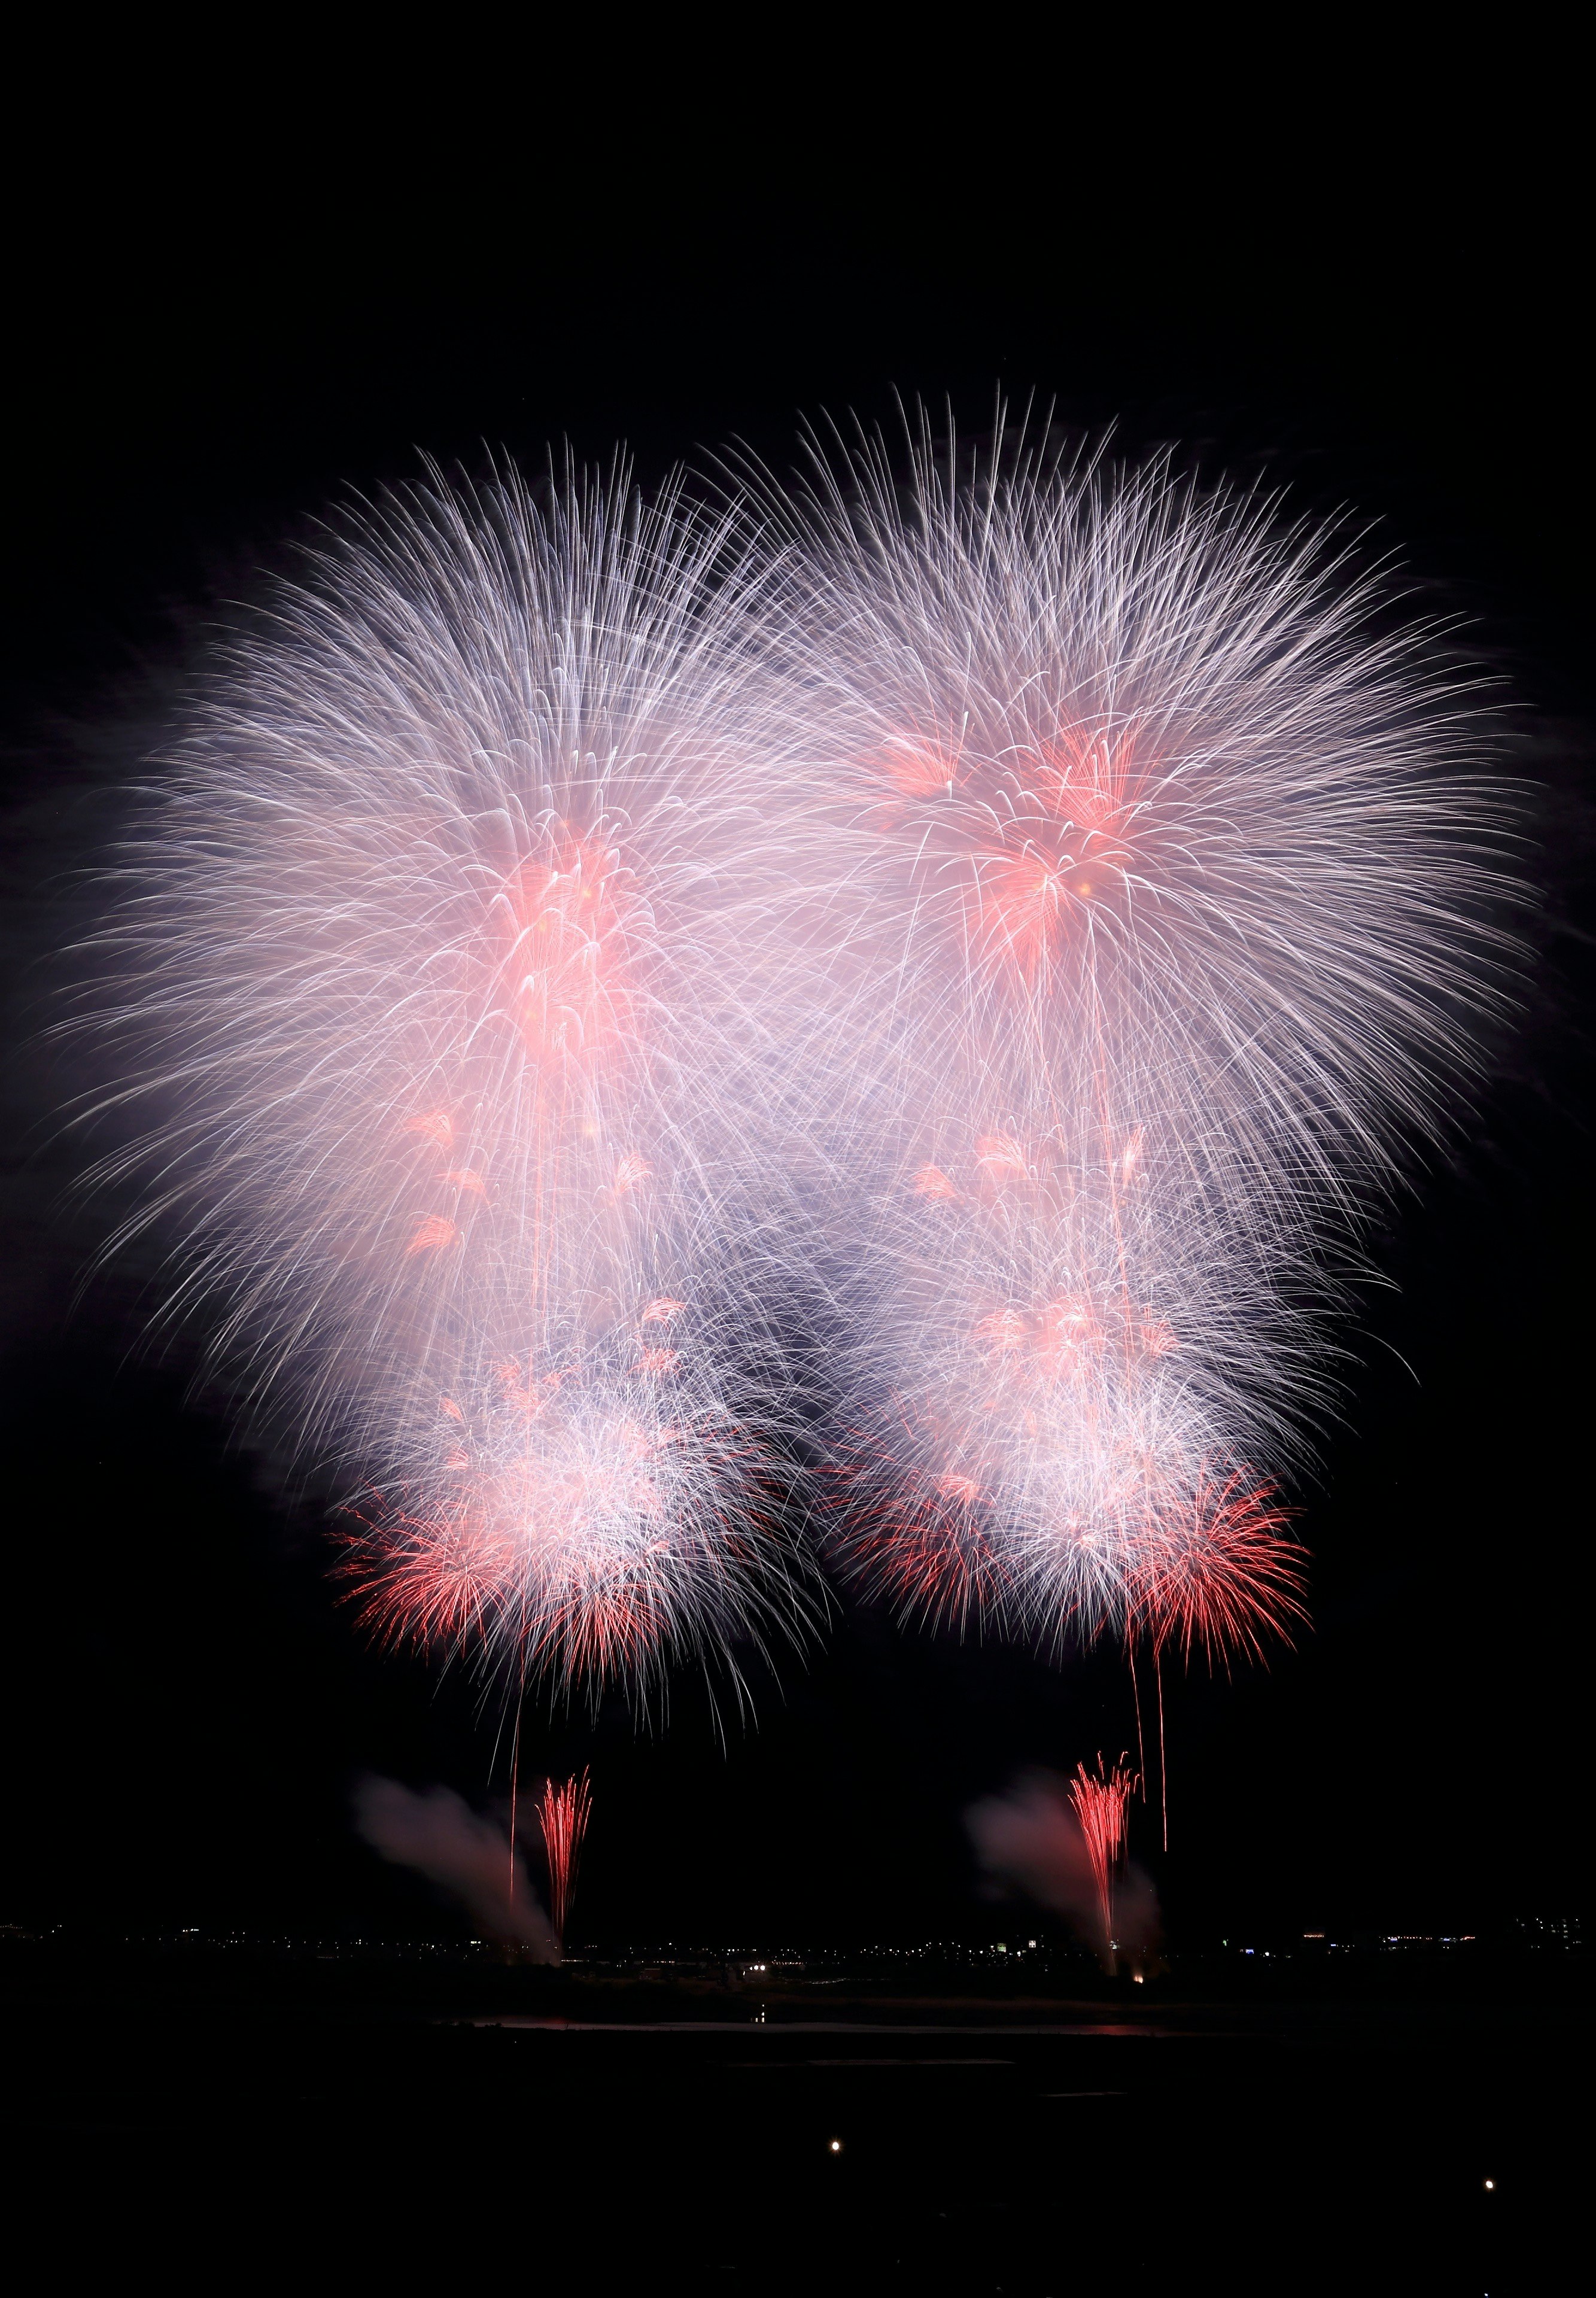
[1212,1571]
[1051,1467]
[562,1811]
[1154,885]
[945,969]
[441,964]
[1103,1808]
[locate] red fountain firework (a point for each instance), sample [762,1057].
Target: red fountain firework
[1102,1806]
[562,1811]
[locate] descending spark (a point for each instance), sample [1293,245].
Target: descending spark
[1102,1805]
[562,1811]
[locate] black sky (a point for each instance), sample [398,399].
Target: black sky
[228,335]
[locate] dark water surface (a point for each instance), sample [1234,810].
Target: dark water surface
[204,2130]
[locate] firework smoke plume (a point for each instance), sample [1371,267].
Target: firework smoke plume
[440,1837]
[1047,1839]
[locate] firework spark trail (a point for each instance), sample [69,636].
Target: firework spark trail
[1102,1806]
[563,1810]
[1155,886]
[441,992]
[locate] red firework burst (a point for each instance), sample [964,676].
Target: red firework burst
[1213,1569]
[917,1534]
[434,1580]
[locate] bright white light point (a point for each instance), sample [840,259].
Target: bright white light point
[836,2146]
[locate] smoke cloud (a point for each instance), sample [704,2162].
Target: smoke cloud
[441,1838]
[1031,1838]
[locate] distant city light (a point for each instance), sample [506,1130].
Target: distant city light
[836,2147]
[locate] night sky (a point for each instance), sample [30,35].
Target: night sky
[225,348]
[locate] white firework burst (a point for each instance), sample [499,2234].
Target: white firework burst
[1155,890]
[442,954]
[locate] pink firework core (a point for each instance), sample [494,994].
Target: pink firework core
[1013,853]
[560,926]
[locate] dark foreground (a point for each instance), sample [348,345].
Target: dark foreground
[210,2124]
